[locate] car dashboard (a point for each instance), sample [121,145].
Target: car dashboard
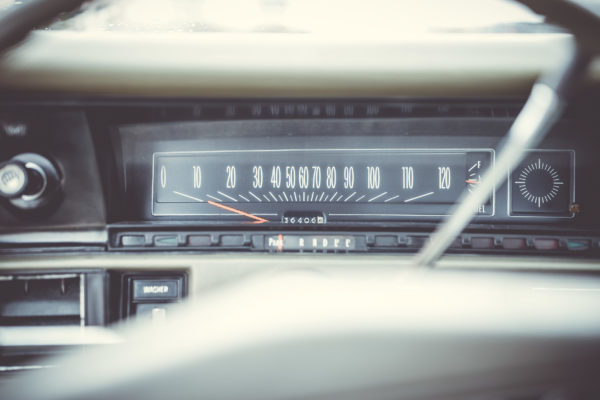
[266,176]
[116,210]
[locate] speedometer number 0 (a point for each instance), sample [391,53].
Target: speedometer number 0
[197,176]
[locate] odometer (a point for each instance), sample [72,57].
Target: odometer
[314,186]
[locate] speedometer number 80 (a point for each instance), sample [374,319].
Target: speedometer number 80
[331,178]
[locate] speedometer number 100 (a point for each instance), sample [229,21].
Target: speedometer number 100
[373,177]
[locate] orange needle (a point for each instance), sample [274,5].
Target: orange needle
[258,220]
[471,181]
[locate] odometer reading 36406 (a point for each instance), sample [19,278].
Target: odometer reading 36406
[314,186]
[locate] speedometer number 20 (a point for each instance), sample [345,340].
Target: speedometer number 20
[231,178]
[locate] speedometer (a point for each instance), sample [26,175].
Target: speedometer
[313,186]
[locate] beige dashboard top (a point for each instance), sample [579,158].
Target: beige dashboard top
[280,65]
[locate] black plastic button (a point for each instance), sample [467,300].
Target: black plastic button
[514,243]
[199,240]
[546,244]
[482,243]
[133,240]
[578,244]
[144,289]
[258,242]
[232,240]
[416,241]
[386,241]
[165,241]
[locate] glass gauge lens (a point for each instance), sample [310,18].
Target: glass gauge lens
[542,184]
[313,185]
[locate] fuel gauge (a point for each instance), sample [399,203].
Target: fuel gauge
[477,164]
[474,175]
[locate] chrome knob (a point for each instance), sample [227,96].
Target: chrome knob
[30,181]
[13,179]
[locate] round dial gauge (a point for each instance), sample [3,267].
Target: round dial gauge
[474,175]
[539,182]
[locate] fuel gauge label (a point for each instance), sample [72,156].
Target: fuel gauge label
[542,185]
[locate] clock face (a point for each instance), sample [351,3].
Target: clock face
[541,184]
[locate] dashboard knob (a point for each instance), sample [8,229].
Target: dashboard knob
[30,181]
[13,179]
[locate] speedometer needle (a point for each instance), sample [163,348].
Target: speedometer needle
[257,220]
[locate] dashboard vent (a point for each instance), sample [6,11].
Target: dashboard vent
[42,299]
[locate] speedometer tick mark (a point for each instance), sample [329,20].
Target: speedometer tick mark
[349,197]
[213,197]
[418,197]
[255,196]
[378,196]
[360,198]
[391,198]
[333,197]
[224,195]
[189,197]
[244,198]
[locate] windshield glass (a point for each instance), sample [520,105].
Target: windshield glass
[347,18]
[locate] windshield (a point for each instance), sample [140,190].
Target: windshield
[347,18]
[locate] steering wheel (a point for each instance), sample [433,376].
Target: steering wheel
[363,334]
